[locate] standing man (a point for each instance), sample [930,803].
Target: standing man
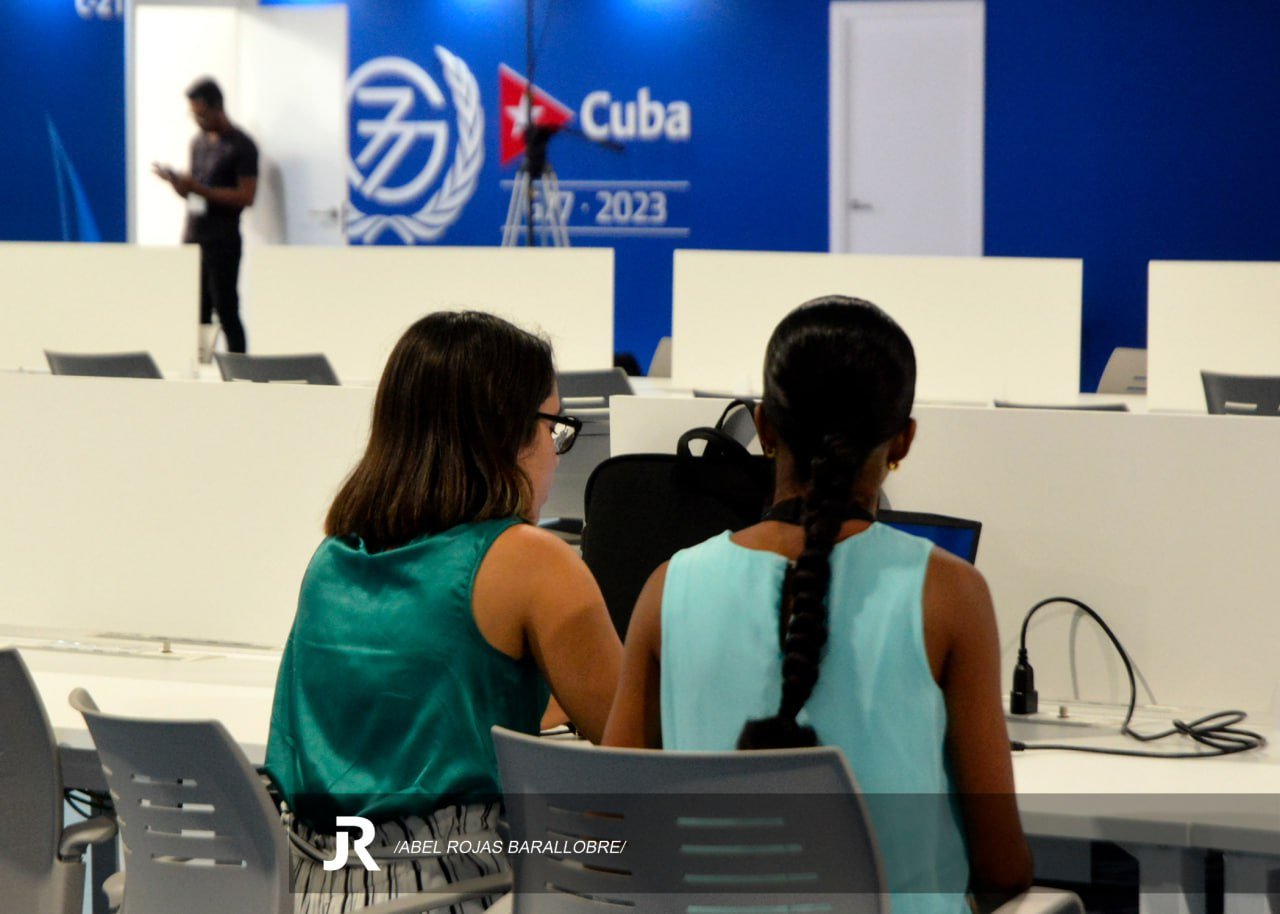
[223,181]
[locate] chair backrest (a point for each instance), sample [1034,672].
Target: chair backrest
[104,364]
[660,364]
[643,508]
[201,835]
[1085,407]
[30,790]
[306,368]
[1241,395]
[583,386]
[734,831]
[1125,372]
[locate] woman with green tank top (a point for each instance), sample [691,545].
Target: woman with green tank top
[820,625]
[433,610]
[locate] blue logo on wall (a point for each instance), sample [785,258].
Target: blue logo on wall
[412,166]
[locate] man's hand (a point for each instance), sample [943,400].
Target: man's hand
[180,183]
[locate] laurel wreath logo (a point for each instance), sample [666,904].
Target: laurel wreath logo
[444,206]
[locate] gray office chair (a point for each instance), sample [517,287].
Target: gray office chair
[103,364]
[41,862]
[1125,372]
[687,827]
[1241,395]
[307,368]
[201,834]
[1080,407]
[660,364]
[704,831]
[585,388]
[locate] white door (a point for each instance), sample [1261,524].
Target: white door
[293,71]
[906,126]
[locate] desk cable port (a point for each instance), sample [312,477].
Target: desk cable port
[1216,732]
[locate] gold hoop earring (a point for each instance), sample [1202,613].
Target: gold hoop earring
[893,466]
[770,452]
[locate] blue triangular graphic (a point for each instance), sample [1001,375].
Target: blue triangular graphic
[68,182]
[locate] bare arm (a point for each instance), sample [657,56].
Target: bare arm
[964,651]
[534,593]
[636,719]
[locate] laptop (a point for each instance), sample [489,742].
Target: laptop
[954,534]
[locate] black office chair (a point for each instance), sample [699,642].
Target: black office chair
[643,508]
[1241,395]
[103,364]
[307,368]
[1086,407]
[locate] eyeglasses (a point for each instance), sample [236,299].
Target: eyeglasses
[564,431]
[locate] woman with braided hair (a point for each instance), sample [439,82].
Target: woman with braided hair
[820,626]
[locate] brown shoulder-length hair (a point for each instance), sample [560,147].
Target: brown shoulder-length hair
[457,402]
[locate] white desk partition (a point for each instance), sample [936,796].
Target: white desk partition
[353,303]
[1137,515]
[167,508]
[654,424]
[982,327]
[98,298]
[1222,317]
[1164,524]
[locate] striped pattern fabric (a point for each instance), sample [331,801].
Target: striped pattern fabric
[317,891]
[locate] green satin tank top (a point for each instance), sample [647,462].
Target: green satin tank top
[387,689]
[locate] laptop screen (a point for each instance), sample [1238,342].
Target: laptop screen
[954,534]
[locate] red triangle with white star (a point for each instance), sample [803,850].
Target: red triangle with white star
[513,112]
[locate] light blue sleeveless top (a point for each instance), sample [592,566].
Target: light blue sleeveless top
[876,698]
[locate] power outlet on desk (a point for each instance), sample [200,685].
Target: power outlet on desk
[1075,719]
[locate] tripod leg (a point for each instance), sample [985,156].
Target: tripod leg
[556,226]
[515,211]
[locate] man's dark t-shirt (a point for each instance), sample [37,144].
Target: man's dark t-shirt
[220,161]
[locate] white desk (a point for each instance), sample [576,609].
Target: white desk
[98,298]
[236,690]
[1203,315]
[353,303]
[982,327]
[188,509]
[1167,813]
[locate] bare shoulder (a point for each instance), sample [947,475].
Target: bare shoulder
[528,538]
[529,577]
[532,547]
[954,582]
[957,608]
[540,571]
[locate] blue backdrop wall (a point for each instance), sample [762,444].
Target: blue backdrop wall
[719,123]
[1115,132]
[63,156]
[1128,132]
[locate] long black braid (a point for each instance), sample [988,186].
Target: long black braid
[825,350]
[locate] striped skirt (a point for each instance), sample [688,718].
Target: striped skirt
[319,891]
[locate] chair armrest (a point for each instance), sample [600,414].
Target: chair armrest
[113,888]
[75,838]
[495,884]
[1040,900]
